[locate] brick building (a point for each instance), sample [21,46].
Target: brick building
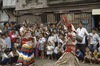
[51,11]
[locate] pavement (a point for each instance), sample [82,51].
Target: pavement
[45,62]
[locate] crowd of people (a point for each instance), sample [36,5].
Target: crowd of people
[47,41]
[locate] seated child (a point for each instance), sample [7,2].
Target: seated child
[88,55]
[49,50]
[15,55]
[95,56]
[18,49]
[7,57]
[80,55]
[58,51]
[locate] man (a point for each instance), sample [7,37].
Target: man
[93,40]
[58,51]
[82,32]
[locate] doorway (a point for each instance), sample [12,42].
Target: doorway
[97,22]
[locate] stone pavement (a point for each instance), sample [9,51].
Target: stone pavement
[45,62]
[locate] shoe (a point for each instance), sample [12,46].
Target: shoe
[19,64]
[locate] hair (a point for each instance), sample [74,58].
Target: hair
[60,43]
[94,29]
[6,50]
[19,47]
[81,23]
[13,49]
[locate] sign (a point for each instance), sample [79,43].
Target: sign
[96,12]
[85,22]
[71,1]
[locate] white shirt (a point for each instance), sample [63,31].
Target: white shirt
[56,50]
[42,40]
[50,49]
[94,38]
[51,39]
[82,32]
[3,44]
[7,56]
[56,37]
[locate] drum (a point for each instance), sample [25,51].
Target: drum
[79,38]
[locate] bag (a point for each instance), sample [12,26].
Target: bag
[79,38]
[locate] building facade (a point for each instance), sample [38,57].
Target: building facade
[7,11]
[52,10]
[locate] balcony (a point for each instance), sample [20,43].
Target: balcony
[9,4]
[55,2]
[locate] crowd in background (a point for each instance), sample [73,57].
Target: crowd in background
[48,42]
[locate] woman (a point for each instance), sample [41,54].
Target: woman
[26,56]
[69,58]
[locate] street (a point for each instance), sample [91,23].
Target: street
[45,62]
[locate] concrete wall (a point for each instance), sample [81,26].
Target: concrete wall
[3,16]
[21,4]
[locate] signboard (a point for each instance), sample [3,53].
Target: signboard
[96,12]
[9,3]
[71,1]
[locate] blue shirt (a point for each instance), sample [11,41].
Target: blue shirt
[80,54]
[8,42]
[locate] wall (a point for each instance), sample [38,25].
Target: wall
[21,4]
[3,16]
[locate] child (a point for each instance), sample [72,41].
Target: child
[49,50]
[95,55]
[79,54]
[17,43]
[88,55]
[41,42]
[15,55]
[18,49]
[7,57]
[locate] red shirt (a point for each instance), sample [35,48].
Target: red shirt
[10,35]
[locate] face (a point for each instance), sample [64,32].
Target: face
[87,49]
[41,35]
[93,31]
[53,26]
[95,50]
[7,25]
[78,50]
[3,36]
[13,31]
[59,45]
[80,25]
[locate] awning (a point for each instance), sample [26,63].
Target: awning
[96,12]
